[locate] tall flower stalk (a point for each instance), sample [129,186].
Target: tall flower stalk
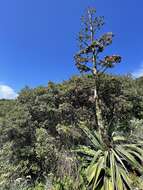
[88,57]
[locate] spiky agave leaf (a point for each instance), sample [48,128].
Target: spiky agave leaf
[108,167]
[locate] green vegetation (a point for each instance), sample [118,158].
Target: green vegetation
[83,134]
[107,165]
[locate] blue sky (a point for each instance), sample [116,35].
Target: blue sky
[38,38]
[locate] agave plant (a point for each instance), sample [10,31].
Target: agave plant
[108,165]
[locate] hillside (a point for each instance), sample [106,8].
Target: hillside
[41,125]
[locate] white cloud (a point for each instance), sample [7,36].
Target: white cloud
[139,72]
[6,92]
